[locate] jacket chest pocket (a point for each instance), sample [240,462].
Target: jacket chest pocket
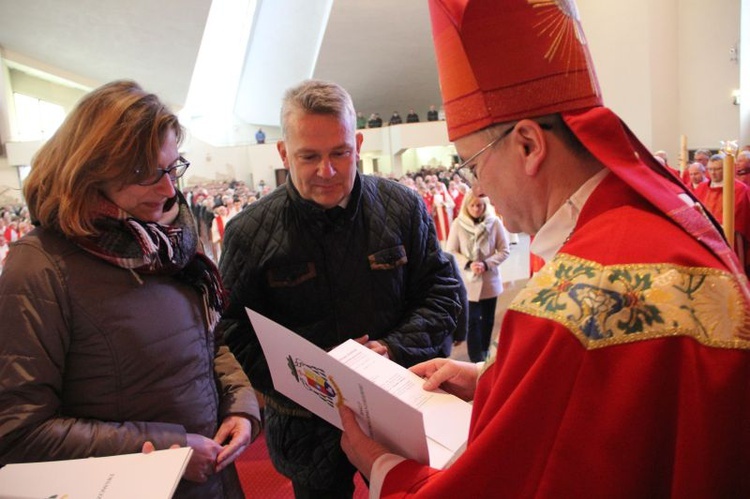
[388,259]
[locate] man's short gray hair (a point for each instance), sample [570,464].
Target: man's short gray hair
[317,97]
[698,165]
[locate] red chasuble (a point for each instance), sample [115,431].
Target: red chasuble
[713,199]
[622,370]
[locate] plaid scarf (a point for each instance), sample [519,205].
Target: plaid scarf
[153,248]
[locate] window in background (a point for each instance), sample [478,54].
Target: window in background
[36,119]
[23,172]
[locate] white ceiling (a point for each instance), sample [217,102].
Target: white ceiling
[379,50]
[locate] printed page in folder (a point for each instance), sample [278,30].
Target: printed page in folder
[392,407]
[145,476]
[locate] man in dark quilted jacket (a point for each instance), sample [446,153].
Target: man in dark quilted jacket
[332,254]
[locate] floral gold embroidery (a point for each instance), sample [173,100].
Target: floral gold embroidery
[608,305]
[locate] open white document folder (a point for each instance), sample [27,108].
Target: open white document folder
[145,476]
[392,407]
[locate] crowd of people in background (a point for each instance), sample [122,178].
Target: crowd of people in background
[214,204]
[14,223]
[704,177]
[442,189]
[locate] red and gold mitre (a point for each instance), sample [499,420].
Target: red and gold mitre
[502,60]
[505,60]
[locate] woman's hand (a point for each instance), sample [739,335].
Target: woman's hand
[458,378]
[478,268]
[361,450]
[148,447]
[203,459]
[237,430]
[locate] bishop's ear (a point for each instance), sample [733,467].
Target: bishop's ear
[534,142]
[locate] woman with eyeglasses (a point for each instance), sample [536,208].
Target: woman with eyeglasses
[108,306]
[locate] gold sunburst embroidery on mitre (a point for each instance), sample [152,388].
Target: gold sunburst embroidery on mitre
[559,21]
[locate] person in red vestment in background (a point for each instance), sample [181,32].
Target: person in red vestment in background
[426,194]
[622,366]
[711,194]
[457,191]
[12,231]
[221,217]
[696,175]
[702,156]
[442,209]
[742,167]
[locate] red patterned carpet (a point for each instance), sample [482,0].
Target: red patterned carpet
[261,481]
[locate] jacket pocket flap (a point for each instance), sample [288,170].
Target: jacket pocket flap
[388,258]
[291,275]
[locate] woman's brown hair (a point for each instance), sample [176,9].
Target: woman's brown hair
[114,134]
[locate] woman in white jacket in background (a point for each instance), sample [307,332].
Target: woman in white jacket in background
[479,241]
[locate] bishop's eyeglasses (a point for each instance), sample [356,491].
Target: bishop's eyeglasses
[467,169]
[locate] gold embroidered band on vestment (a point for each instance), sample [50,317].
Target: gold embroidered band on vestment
[616,304]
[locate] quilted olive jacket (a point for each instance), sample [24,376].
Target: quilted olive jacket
[375,268]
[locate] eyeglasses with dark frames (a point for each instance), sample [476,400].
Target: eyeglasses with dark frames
[467,169]
[175,171]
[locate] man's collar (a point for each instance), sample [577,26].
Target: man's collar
[556,230]
[314,210]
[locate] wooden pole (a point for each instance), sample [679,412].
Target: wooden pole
[728,197]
